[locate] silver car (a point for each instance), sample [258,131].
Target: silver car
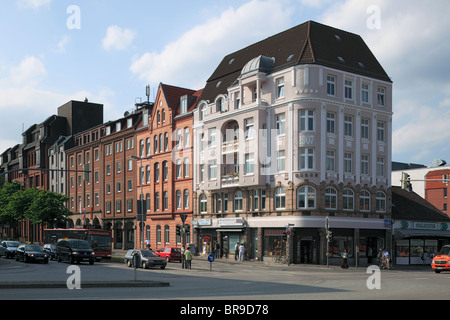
[146,259]
[8,248]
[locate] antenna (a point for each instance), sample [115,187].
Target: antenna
[147,92]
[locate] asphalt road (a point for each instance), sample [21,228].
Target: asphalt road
[226,281]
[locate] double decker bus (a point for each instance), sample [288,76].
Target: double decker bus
[99,239]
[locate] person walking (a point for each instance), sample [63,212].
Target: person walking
[188,258]
[236,251]
[241,252]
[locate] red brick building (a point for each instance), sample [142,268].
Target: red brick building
[166,178]
[436,190]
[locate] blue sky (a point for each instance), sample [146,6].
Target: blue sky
[54,51]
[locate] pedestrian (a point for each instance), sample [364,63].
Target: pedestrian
[344,255]
[147,244]
[241,252]
[236,251]
[188,258]
[217,250]
[387,259]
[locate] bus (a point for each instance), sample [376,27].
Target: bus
[100,240]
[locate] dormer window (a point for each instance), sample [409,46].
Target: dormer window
[183,104]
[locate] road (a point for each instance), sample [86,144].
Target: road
[254,281]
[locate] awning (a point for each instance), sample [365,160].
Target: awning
[406,233]
[229,230]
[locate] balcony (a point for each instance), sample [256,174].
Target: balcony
[230,146]
[230,180]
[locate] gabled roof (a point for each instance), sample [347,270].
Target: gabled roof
[173,94]
[308,43]
[409,205]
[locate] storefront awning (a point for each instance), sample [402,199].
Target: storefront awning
[403,233]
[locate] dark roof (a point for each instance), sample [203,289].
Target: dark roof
[308,43]
[409,205]
[173,95]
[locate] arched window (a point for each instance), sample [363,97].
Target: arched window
[364,200]
[158,234]
[178,169]
[166,234]
[203,203]
[238,201]
[330,198]
[157,172]
[380,202]
[347,199]
[186,198]
[280,198]
[165,170]
[306,197]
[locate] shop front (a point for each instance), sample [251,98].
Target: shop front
[416,242]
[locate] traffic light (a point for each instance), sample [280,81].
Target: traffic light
[178,230]
[330,236]
[284,236]
[405,181]
[188,229]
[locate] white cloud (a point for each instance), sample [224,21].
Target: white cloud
[190,60]
[32,4]
[411,46]
[29,72]
[118,39]
[61,47]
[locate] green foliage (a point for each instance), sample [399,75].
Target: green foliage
[39,206]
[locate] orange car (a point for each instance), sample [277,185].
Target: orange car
[442,261]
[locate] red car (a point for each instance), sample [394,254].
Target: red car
[170,253]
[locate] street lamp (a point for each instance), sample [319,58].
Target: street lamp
[141,202]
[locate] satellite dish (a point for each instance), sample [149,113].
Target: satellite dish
[126,114]
[438,163]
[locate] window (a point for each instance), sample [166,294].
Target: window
[166,141]
[155,144]
[365,93]
[380,166]
[157,172]
[306,120]
[141,148]
[380,202]
[147,174]
[280,198]
[280,88]
[348,126]
[364,164]
[183,104]
[306,159]
[348,89]
[166,234]
[281,161]
[186,167]
[238,201]
[165,170]
[347,162]
[330,198]
[157,201]
[237,100]
[212,169]
[186,198]
[147,146]
[202,112]
[331,85]
[281,124]
[330,165]
[348,199]
[306,197]
[263,199]
[364,128]
[178,169]
[331,122]
[203,203]
[249,129]
[380,131]
[255,199]
[364,200]
[212,137]
[165,200]
[220,105]
[158,234]
[187,139]
[381,97]
[249,163]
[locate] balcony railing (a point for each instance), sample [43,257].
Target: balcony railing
[230,180]
[230,146]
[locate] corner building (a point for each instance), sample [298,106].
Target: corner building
[289,131]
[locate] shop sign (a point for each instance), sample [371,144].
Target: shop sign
[231,222]
[204,222]
[425,226]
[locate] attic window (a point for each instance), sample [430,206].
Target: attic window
[341,59]
[218,84]
[231,61]
[290,57]
[361,65]
[337,37]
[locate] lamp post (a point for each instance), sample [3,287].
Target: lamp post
[141,202]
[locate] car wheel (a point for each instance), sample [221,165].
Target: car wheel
[144,265]
[128,262]
[163,267]
[46,260]
[437,271]
[91,262]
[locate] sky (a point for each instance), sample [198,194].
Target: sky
[54,51]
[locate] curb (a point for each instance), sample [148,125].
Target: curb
[88,284]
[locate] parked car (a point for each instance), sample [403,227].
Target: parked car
[31,253]
[51,250]
[170,253]
[147,259]
[74,250]
[441,262]
[8,248]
